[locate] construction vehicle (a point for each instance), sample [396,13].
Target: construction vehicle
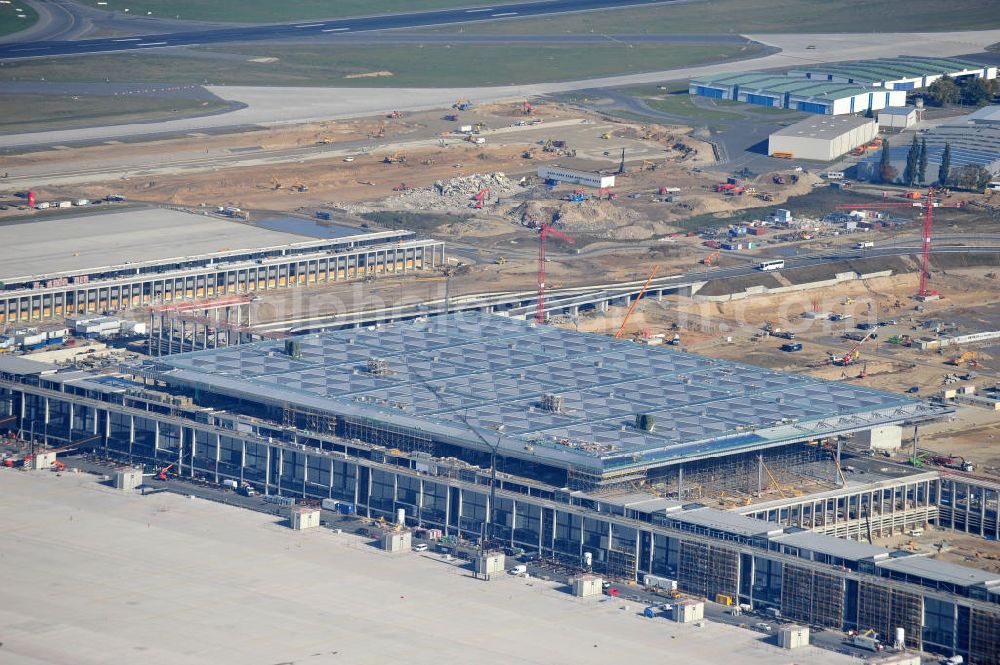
[649,165]
[859,151]
[451,117]
[527,109]
[867,640]
[395,158]
[779,180]
[326,140]
[299,187]
[918,460]
[956,462]
[528,154]
[162,473]
[765,196]
[635,302]
[606,135]
[276,182]
[501,261]
[462,105]
[577,195]
[851,356]
[606,193]
[395,115]
[965,357]
[712,259]
[401,187]
[480,197]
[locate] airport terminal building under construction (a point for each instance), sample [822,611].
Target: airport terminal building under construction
[559,442]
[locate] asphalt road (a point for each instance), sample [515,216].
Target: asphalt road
[311,28]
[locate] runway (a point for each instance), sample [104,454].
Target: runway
[243,34]
[269,106]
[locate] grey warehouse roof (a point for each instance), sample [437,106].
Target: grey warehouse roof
[449,374]
[824,127]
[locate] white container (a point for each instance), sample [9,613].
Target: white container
[329,504]
[81,202]
[230,484]
[43,205]
[64,204]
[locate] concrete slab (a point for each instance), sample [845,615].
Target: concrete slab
[97,576]
[62,243]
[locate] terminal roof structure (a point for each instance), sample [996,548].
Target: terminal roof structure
[474,380]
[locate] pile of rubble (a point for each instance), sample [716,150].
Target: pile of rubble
[458,194]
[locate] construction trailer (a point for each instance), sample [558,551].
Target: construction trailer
[303,518]
[793,636]
[397,541]
[586,586]
[688,610]
[128,479]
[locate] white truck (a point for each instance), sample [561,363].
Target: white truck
[864,245]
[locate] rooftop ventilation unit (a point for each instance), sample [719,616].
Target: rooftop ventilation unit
[293,348]
[378,366]
[644,421]
[554,403]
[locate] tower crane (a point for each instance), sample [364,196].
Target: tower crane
[544,232]
[928,204]
[635,302]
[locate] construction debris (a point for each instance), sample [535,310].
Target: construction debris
[458,194]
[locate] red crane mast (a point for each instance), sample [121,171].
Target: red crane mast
[543,233]
[928,205]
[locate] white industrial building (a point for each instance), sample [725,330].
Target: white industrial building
[796,93]
[902,73]
[898,118]
[575,177]
[822,138]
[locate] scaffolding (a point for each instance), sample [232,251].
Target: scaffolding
[984,635]
[744,472]
[723,572]
[812,597]
[692,574]
[381,434]
[874,607]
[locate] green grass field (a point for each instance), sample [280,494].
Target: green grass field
[10,17]
[21,113]
[749,16]
[430,66]
[269,11]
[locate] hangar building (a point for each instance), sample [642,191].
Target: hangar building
[902,73]
[822,138]
[796,93]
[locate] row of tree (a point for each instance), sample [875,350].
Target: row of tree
[972,177]
[967,90]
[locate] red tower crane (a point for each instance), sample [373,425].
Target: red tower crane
[543,233]
[928,204]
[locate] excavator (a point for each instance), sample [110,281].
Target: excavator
[394,158]
[712,259]
[162,473]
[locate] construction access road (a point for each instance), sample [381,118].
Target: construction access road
[266,106]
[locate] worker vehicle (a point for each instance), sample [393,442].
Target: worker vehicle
[791,348]
[867,640]
[864,245]
[420,547]
[519,569]
[348,159]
